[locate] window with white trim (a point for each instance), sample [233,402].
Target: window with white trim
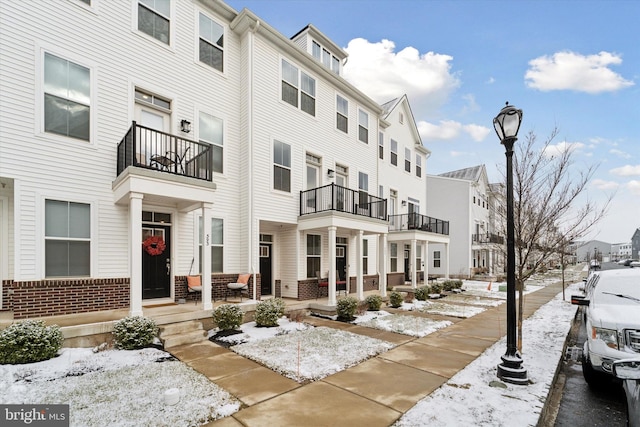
[154,17]
[314,252]
[401,118]
[281,166]
[365,256]
[393,256]
[217,244]
[325,57]
[381,145]
[67,98]
[418,165]
[342,114]
[67,234]
[394,152]
[363,186]
[363,126]
[211,42]
[436,259]
[316,50]
[210,130]
[298,88]
[407,160]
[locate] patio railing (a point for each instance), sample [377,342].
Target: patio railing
[414,221]
[151,149]
[334,197]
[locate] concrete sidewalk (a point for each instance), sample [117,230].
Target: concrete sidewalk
[374,393]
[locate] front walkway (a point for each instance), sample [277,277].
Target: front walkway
[374,393]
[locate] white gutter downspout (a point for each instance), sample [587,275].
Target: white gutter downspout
[252,249]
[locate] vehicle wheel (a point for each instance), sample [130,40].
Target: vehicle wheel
[591,376]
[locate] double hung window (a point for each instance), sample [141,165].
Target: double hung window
[363,126]
[298,88]
[211,131]
[154,18]
[67,98]
[281,166]
[380,145]
[394,152]
[211,42]
[407,160]
[418,165]
[342,114]
[67,244]
[314,252]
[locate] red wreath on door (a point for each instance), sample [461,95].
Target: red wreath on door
[154,245]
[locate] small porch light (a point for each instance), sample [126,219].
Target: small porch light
[330,173]
[185,126]
[404,203]
[507,122]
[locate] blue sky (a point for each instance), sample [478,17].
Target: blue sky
[571,64]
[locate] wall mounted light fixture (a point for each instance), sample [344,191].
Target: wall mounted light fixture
[185,126]
[330,173]
[404,203]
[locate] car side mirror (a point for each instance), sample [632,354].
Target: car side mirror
[627,369]
[579,300]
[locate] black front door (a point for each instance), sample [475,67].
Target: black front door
[156,261]
[341,262]
[407,258]
[265,269]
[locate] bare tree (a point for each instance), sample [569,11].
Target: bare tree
[549,207]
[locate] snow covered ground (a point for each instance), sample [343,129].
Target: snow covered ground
[125,388]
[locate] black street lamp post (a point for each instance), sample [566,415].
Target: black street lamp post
[507,124]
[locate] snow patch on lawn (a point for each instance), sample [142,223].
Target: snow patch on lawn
[401,324]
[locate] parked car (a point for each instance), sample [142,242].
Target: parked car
[628,370]
[594,264]
[623,261]
[628,262]
[612,319]
[634,263]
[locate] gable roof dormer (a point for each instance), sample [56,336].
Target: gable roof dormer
[398,112]
[325,51]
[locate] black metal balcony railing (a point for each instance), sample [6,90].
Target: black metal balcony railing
[151,149]
[415,221]
[333,197]
[487,238]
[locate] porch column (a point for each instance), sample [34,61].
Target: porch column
[332,266]
[206,256]
[412,264]
[446,271]
[382,264]
[135,257]
[425,258]
[490,262]
[359,276]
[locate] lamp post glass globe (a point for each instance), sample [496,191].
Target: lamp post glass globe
[507,124]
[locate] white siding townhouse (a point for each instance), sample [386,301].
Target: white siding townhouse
[402,163]
[466,199]
[144,140]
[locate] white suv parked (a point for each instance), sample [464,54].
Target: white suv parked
[612,300]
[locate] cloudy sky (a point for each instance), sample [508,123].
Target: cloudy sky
[574,65]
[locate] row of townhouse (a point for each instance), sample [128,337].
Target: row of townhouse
[145,140]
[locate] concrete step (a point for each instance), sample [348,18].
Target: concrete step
[191,337]
[180,327]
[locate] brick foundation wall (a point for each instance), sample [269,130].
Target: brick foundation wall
[57,297]
[218,286]
[395,279]
[308,288]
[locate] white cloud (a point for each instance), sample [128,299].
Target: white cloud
[634,187]
[561,147]
[491,81]
[620,153]
[604,185]
[383,74]
[573,71]
[471,104]
[449,129]
[626,170]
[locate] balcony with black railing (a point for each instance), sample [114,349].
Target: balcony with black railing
[486,238]
[151,149]
[415,221]
[334,197]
